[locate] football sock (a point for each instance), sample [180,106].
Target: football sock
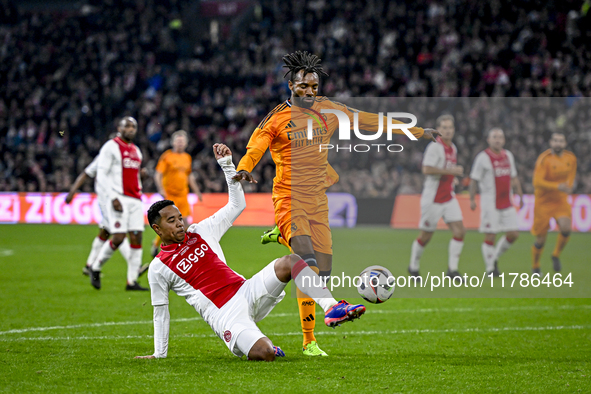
[307,309]
[133,263]
[488,253]
[325,275]
[560,244]
[283,242]
[306,305]
[310,284]
[104,254]
[415,254]
[502,247]
[97,243]
[536,252]
[455,249]
[125,249]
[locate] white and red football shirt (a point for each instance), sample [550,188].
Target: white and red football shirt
[118,169]
[439,188]
[196,268]
[494,171]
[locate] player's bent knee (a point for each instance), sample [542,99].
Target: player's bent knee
[283,267]
[565,233]
[262,350]
[512,236]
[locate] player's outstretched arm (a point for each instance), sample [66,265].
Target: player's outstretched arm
[161,332]
[217,224]
[77,184]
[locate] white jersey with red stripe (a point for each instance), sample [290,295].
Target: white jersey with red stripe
[438,188]
[118,169]
[196,268]
[494,171]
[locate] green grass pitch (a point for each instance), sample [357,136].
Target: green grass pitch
[58,334]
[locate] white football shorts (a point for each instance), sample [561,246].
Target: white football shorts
[235,322]
[493,221]
[431,213]
[131,219]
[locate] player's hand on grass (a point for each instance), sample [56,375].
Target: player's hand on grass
[457,170]
[221,150]
[472,204]
[563,187]
[244,176]
[117,205]
[431,134]
[146,357]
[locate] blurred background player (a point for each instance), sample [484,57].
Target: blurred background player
[174,177]
[495,174]
[438,199]
[230,304]
[104,230]
[119,164]
[553,181]
[299,191]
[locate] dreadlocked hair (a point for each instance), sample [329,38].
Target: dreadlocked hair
[299,60]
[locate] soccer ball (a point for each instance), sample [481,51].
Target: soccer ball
[374,286]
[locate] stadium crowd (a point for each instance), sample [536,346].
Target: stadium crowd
[66,77]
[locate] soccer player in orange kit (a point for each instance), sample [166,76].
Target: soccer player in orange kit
[302,170]
[554,176]
[174,176]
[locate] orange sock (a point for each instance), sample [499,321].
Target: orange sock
[307,308]
[535,254]
[283,242]
[560,244]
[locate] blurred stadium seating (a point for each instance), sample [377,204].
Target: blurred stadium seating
[176,64]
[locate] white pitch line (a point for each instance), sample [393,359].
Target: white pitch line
[336,332]
[275,315]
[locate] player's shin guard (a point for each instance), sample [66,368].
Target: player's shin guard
[502,247]
[125,249]
[104,254]
[133,263]
[97,244]
[415,255]
[560,244]
[455,249]
[488,253]
[536,253]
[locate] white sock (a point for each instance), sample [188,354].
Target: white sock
[415,255]
[502,247]
[455,249]
[97,244]
[312,285]
[104,254]
[488,253]
[125,249]
[133,264]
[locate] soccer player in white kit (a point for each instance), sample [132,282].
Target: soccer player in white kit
[104,230]
[494,173]
[119,164]
[192,264]
[438,199]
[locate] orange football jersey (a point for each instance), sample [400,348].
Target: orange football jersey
[301,166]
[550,171]
[175,169]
